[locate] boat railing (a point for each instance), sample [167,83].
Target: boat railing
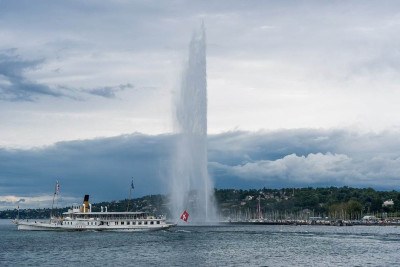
[126,218]
[117,218]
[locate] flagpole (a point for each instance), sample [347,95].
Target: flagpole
[130,195]
[52,205]
[129,201]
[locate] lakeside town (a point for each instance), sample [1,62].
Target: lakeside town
[340,206]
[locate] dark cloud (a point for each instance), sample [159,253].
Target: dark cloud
[103,167]
[14,86]
[109,91]
[233,148]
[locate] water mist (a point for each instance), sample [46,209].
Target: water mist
[191,187]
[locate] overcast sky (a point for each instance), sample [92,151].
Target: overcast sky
[95,72]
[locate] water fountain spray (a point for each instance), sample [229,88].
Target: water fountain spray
[191,187]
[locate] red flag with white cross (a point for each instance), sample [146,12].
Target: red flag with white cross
[185,216]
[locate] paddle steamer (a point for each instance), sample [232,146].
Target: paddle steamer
[81,217]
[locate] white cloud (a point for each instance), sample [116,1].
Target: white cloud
[311,169]
[319,169]
[271,65]
[307,67]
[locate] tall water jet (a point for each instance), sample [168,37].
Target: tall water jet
[191,187]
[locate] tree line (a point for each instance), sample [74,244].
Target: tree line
[344,202]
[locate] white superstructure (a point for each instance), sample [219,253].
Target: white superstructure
[80,218]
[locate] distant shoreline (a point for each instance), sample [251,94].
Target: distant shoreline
[308,224]
[265,223]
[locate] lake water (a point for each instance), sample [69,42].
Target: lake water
[205,246]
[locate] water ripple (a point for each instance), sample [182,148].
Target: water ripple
[205,246]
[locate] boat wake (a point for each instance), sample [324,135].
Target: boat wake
[183,231]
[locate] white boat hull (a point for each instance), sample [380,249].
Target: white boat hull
[33,227]
[43,226]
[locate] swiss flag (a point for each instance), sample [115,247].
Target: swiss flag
[185,216]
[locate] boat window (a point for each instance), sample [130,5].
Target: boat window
[151,222]
[122,223]
[128,223]
[158,222]
[140,223]
[145,222]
